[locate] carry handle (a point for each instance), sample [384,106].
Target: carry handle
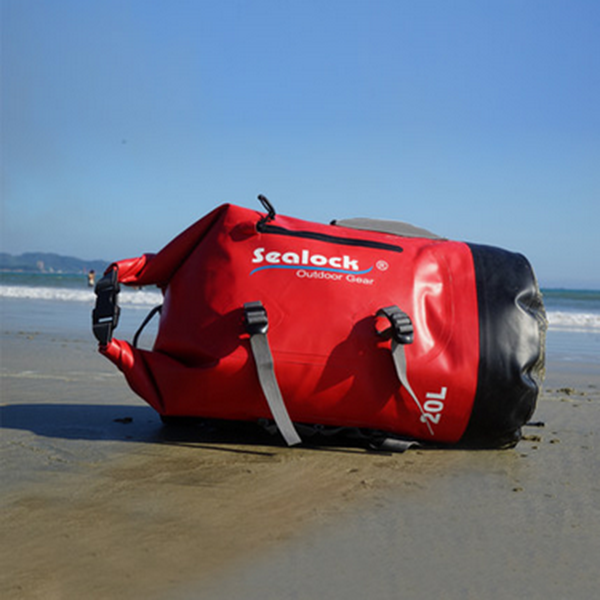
[270,212]
[105,316]
[149,317]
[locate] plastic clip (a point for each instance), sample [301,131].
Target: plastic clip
[256,318]
[401,326]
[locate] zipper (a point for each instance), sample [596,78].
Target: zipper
[264,227]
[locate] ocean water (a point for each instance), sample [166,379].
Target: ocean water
[63,302]
[70,288]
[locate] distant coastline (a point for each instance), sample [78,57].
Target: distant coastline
[47,262]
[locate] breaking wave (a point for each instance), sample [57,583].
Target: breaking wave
[574,321]
[141,298]
[565,312]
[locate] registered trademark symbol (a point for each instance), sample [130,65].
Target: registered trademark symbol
[382,265]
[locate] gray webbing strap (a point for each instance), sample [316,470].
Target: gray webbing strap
[257,325]
[402,333]
[399,357]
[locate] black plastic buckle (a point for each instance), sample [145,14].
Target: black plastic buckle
[401,326]
[255,318]
[105,316]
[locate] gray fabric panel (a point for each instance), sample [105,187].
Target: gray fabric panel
[384,226]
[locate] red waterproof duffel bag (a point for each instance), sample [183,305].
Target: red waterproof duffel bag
[367,324]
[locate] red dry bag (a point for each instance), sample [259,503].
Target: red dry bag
[367,324]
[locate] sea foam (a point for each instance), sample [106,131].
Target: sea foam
[566,320]
[574,321]
[133,298]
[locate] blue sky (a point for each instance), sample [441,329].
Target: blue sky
[124,121]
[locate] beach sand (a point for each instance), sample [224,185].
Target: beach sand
[100,502]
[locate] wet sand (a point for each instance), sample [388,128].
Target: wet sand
[99,501]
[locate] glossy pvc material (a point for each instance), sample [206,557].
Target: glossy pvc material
[322,286]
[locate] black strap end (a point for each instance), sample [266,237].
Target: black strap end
[256,320]
[401,326]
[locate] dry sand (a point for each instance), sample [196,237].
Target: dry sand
[99,502]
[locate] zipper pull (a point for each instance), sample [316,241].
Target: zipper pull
[270,212]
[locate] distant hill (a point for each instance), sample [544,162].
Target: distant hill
[46,262]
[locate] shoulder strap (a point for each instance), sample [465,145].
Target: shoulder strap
[401,333]
[257,325]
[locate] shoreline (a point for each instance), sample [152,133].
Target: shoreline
[100,502]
